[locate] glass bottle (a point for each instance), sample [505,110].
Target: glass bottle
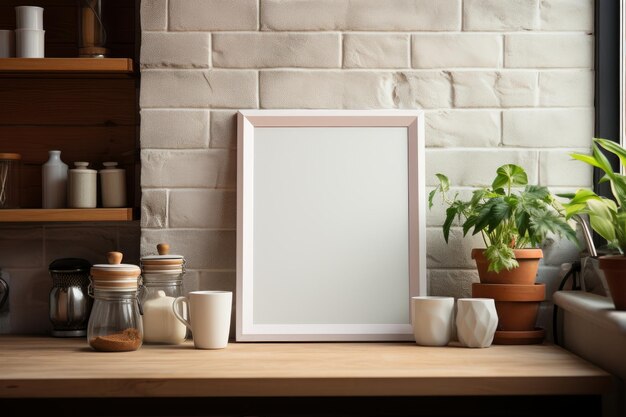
[10,180]
[92,35]
[162,281]
[54,181]
[115,323]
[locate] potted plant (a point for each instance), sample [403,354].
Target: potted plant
[607,216]
[514,218]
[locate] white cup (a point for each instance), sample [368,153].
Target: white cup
[432,319]
[476,321]
[7,43]
[29,17]
[209,317]
[29,43]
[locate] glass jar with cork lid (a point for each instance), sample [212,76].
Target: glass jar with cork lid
[161,282]
[115,323]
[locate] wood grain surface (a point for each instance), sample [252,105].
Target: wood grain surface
[47,367]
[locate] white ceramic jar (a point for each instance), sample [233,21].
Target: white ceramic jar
[82,186]
[113,185]
[54,181]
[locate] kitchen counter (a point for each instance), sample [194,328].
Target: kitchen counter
[53,368]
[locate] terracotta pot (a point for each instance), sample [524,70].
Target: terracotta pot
[525,273]
[614,269]
[517,304]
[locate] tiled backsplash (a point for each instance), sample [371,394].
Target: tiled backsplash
[501,81]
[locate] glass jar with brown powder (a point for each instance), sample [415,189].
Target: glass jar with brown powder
[115,323]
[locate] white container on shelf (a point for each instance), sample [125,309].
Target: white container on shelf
[113,185]
[54,181]
[29,43]
[82,186]
[7,43]
[29,17]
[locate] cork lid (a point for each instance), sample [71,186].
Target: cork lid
[163,258]
[164,262]
[115,275]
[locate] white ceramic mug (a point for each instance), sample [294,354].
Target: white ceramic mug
[432,319]
[476,321]
[29,43]
[29,17]
[7,43]
[209,317]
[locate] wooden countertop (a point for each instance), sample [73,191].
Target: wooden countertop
[47,367]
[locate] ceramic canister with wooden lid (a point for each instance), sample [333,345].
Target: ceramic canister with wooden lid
[82,191]
[115,323]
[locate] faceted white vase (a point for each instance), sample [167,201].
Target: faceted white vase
[432,319]
[476,321]
[54,182]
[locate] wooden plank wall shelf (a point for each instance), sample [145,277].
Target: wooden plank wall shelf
[66,215]
[15,66]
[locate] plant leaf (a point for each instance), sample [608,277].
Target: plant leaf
[444,182]
[431,196]
[451,213]
[522,222]
[509,175]
[485,215]
[588,159]
[601,219]
[537,192]
[500,257]
[614,148]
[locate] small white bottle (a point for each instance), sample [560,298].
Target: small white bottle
[82,186]
[113,185]
[54,181]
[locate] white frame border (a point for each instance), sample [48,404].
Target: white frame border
[247,120]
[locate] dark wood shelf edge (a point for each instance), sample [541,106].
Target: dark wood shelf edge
[66,215]
[39,66]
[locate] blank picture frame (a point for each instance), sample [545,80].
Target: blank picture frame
[330,224]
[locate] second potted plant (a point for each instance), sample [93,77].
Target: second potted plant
[607,216]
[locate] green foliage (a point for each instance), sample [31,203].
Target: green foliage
[509,215]
[606,216]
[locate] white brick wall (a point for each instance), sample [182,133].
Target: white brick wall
[501,81]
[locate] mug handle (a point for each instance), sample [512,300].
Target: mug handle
[176,306]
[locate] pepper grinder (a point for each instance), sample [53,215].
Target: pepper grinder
[113,185]
[82,186]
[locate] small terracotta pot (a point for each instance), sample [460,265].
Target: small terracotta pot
[614,269]
[517,304]
[525,273]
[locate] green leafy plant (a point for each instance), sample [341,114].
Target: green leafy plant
[511,214]
[606,216]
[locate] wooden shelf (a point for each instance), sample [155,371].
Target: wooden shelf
[66,215]
[66,66]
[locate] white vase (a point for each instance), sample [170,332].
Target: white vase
[432,319]
[476,321]
[54,181]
